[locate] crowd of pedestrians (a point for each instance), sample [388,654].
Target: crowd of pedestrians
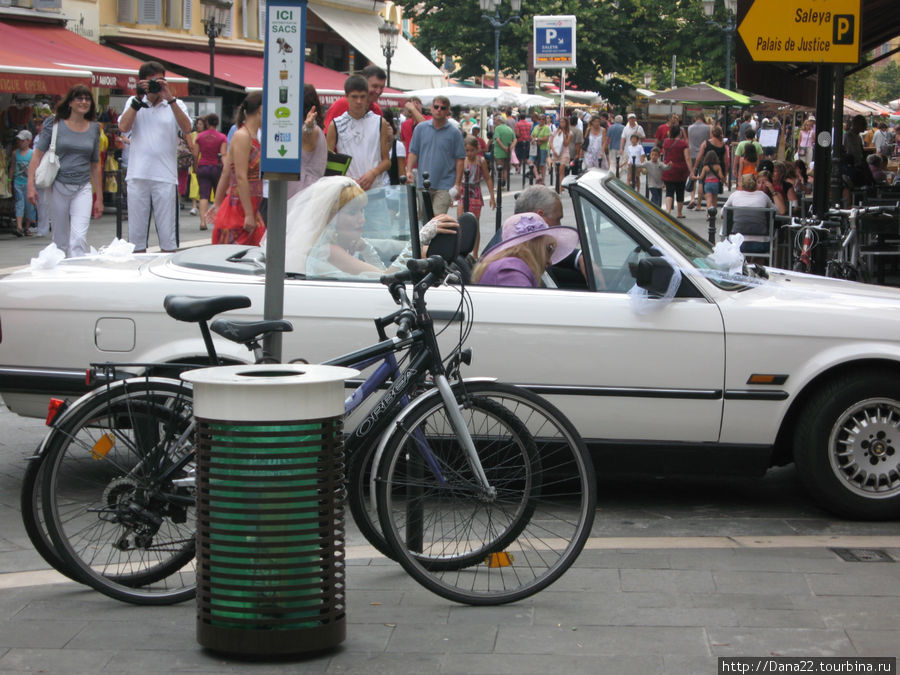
[166,159]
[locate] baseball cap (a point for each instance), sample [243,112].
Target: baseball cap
[632,115]
[24,135]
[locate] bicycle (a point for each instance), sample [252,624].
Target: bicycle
[148,489]
[848,264]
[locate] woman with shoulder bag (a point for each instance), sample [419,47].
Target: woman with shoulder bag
[76,195]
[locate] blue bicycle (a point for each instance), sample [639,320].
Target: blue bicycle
[483,491]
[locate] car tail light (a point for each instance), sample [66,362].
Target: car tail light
[54,408]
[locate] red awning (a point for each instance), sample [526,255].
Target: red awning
[64,50]
[110,68]
[23,71]
[244,70]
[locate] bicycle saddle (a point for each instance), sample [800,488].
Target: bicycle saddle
[245,331]
[193,308]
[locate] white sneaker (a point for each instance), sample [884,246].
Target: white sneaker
[193,212]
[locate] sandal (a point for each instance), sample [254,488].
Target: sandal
[18,232]
[203,227]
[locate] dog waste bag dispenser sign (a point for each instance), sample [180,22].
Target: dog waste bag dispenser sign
[554,42]
[802,31]
[283,86]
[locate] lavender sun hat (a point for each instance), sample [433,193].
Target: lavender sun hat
[524,226]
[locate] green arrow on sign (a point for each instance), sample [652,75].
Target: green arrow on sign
[282,151]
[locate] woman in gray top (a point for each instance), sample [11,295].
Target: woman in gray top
[76,193]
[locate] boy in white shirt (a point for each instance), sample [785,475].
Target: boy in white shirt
[635,161]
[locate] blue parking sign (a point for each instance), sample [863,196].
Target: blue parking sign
[554,42]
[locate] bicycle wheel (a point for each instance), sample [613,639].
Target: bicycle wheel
[118,491]
[365,512]
[477,548]
[31,506]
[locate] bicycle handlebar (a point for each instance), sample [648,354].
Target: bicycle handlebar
[416,270]
[858,210]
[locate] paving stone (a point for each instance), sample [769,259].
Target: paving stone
[381,664]
[780,642]
[607,640]
[682,665]
[462,638]
[540,664]
[746,600]
[503,615]
[46,634]
[56,660]
[872,579]
[876,642]
[772,618]
[686,581]
[770,583]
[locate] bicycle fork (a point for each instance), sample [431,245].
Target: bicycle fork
[463,435]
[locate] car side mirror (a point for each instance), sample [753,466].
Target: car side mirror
[653,275]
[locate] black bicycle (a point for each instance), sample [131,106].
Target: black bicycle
[496,488]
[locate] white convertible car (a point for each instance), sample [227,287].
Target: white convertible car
[735,373]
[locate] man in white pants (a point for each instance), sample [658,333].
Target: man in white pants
[154,118]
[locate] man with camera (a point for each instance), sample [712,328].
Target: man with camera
[154,116]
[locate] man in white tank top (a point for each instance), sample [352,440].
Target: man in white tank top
[363,135]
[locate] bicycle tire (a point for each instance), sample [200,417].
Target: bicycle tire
[114,515]
[31,507]
[552,506]
[359,496]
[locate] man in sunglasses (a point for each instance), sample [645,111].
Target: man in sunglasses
[437,147]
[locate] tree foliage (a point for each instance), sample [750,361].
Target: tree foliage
[625,38]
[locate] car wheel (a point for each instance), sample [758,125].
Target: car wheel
[847,446]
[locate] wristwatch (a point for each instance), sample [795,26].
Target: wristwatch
[172,100]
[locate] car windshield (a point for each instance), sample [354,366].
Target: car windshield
[366,234]
[693,248]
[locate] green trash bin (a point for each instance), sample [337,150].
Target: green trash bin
[270,530]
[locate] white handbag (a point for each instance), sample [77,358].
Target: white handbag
[45,173]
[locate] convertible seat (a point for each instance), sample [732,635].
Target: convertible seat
[193,308]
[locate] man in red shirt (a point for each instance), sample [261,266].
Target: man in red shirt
[413,109]
[376,78]
[523,140]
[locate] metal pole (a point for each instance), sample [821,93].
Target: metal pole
[387,55]
[212,61]
[497,27]
[273,307]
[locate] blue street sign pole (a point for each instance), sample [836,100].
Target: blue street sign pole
[285,50]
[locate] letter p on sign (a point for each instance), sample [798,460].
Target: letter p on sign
[843,29]
[551,35]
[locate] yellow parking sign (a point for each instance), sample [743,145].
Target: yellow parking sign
[802,31]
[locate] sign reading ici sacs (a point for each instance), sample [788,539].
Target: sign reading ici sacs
[554,41]
[283,86]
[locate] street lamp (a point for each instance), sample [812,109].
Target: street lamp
[388,33]
[648,79]
[215,17]
[488,6]
[709,8]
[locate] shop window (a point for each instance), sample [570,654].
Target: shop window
[47,4]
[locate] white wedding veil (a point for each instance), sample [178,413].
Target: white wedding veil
[308,213]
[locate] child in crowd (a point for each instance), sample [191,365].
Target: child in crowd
[477,168]
[654,168]
[711,177]
[635,161]
[25,211]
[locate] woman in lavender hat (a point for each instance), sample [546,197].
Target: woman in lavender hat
[528,246]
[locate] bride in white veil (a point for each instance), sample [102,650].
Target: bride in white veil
[310,236]
[308,214]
